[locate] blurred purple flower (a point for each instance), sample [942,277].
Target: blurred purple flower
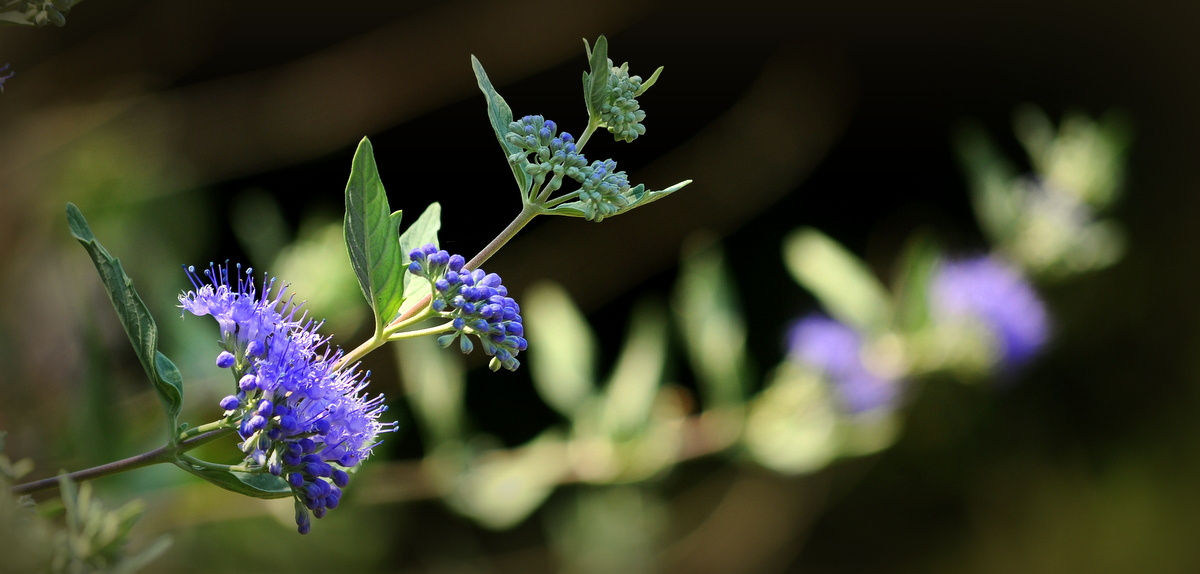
[997,295]
[5,76]
[835,349]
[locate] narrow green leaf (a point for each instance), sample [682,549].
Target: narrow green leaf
[372,237]
[135,317]
[712,326]
[649,82]
[258,485]
[653,196]
[501,115]
[638,374]
[917,263]
[564,366]
[568,209]
[423,230]
[842,282]
[598,81]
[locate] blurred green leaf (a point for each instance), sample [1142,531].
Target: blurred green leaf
[500,116]
[608,529]
[95,538]
[434,382]
[839,280]
[991,178]
[424,230]
[372,237]
[257,485]
[502,487]
[135,317]
[792,423]
[638,374]
[712,326]
[917,263]
[564,364]
[316,265]
[1083,157]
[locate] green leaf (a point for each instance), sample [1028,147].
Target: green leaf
[653,196]
[917,264]
[638,194]
[713,328]
[792,424]
[501,115]
[135,318]
[598,79]
[258,485]
[649,82]
[841,281]
[372,237]
[423,230]
[434,383]
[636,378]
[564,366]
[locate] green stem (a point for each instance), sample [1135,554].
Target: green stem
[400,336]
[593,124]
[207,427]
[165,453]
[558,200]
[188,459]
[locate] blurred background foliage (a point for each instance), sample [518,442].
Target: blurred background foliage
[191,132]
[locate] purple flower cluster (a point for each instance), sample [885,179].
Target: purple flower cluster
[477,304]
[836,350]
[298,416]
[986,290]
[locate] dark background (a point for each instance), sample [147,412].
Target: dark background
[157,117]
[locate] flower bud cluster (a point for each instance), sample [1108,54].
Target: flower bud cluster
[603,190]
[620,110]
[298,417]
[554,153]
[477,304]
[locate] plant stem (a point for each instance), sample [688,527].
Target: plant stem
[587,133]
[165,453]
[421,332]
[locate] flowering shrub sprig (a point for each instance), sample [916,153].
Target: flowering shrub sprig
[298,404]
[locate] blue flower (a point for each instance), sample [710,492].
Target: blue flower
[476,302]
[298,416]
[835,350]
[987,291]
